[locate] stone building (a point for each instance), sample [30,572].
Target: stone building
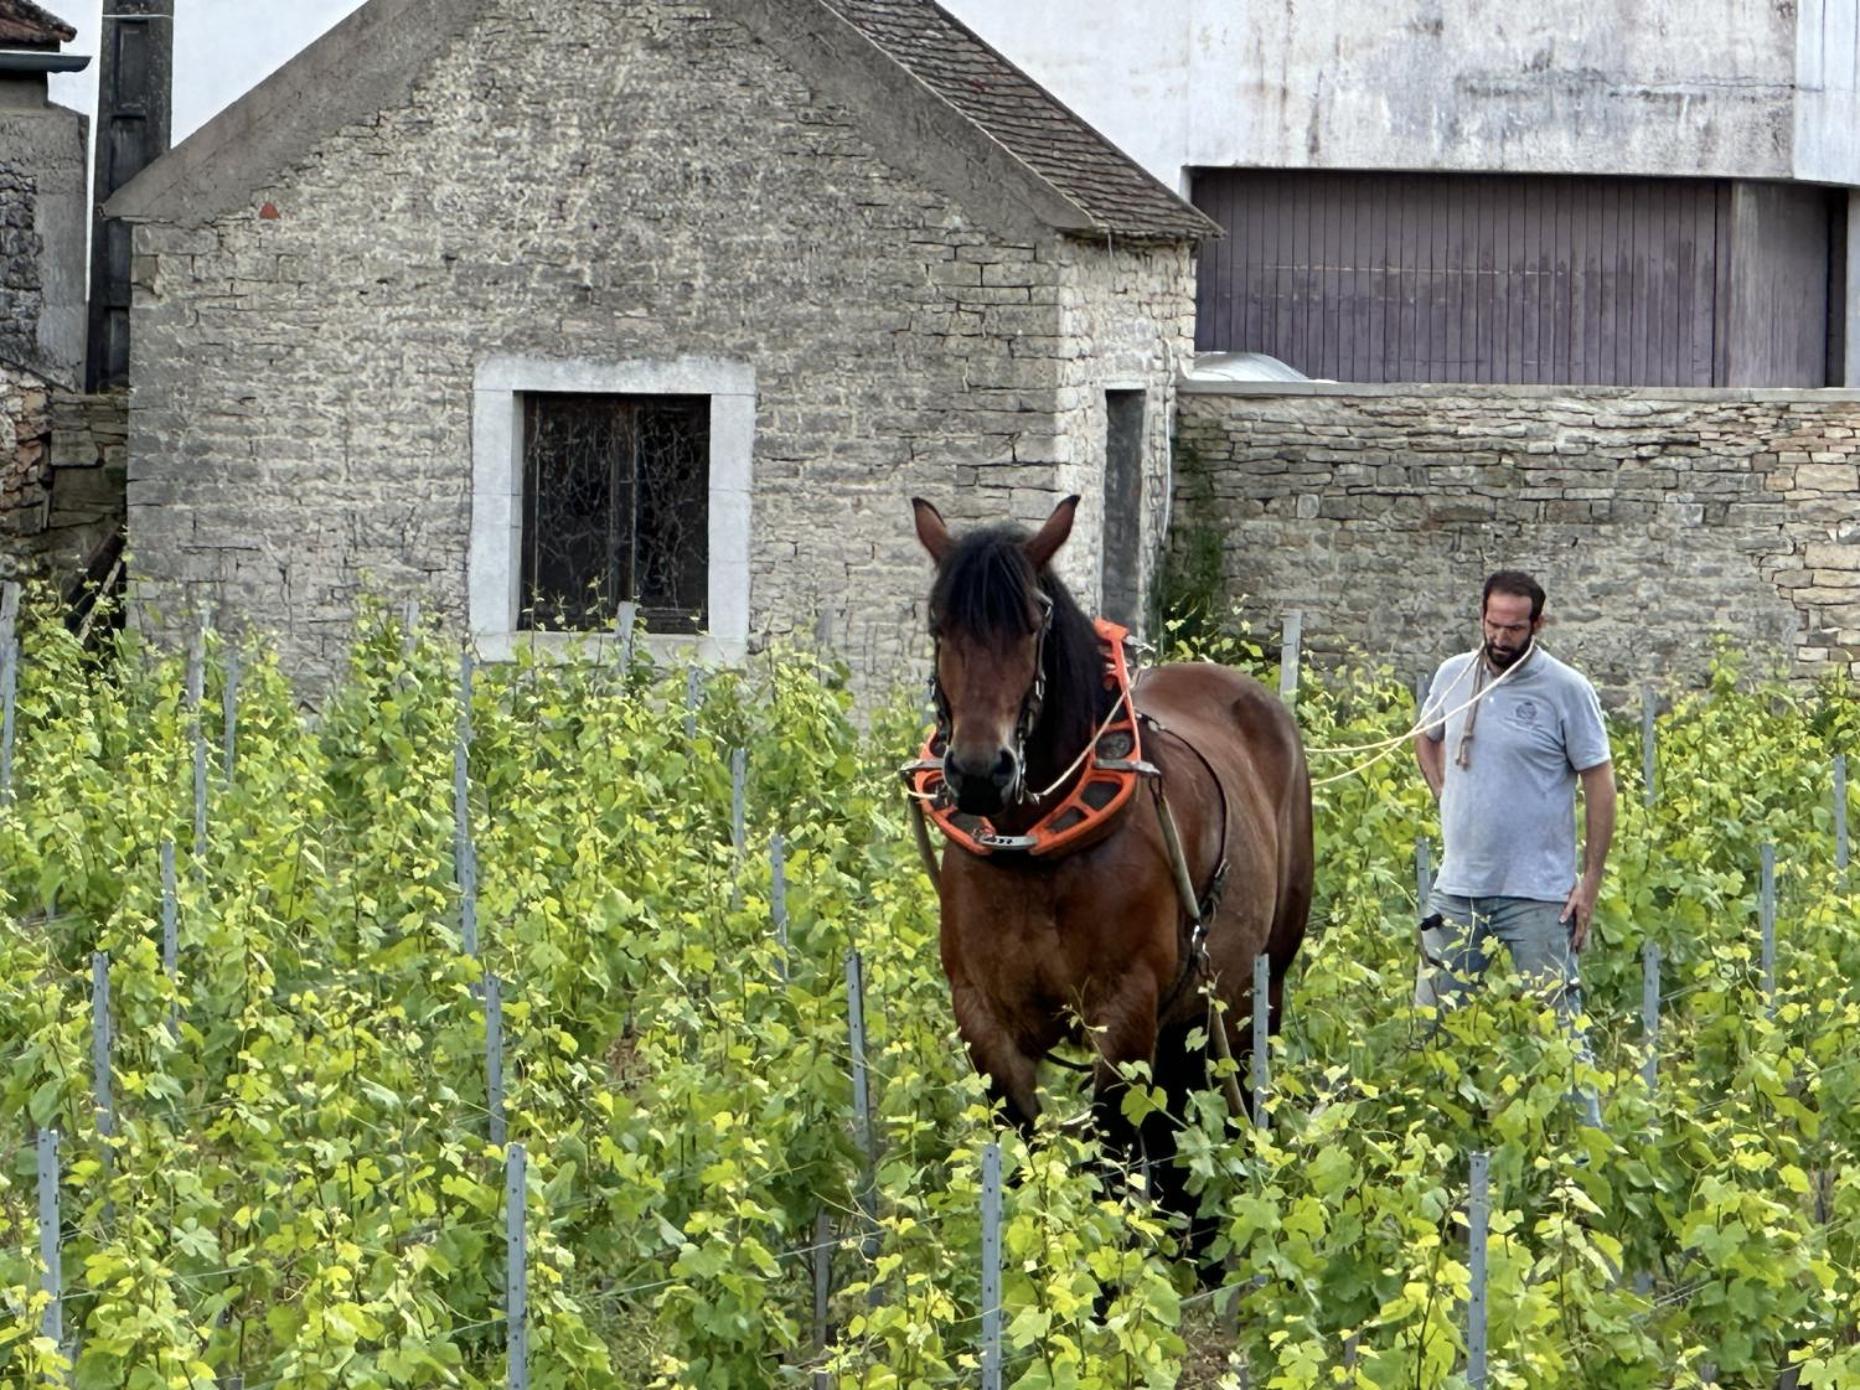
[61,457]
[530,306]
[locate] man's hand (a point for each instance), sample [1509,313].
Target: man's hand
[1598,802]
[1578,910]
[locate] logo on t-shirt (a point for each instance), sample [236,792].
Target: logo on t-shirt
[1525,713]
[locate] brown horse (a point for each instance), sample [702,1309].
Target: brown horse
[1098,935]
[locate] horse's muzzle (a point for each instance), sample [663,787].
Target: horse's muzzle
[984,793]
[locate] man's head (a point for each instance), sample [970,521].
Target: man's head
[1511,612]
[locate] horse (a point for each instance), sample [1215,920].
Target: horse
[1094,940]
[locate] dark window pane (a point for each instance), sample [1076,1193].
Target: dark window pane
[614,509]
[671,558]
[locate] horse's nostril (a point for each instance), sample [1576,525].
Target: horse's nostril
[1004,768]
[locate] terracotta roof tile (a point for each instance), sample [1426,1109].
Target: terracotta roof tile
[1025,118]
[24,24]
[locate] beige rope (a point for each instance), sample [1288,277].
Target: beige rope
[1384,747]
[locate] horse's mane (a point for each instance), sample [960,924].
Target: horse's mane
[985,590]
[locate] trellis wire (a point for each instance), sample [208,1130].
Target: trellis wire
[862,1100]
[1650,1011]
[1840,812]
[1648,765]
[50,1251]
[1262,1015]
[1478,1222]
[494,1056]
[991,1267]
[1291,636]
[1766,910]
[516,1276]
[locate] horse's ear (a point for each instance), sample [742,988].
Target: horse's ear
[1047,540]
[931,530]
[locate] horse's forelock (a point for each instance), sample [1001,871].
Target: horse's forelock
[985,588]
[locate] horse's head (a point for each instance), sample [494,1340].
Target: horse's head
[990,617]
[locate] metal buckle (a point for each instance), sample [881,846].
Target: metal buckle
[1136,765]
[1005,841]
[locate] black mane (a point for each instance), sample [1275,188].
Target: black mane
[985,589]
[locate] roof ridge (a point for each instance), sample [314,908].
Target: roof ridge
[1025,118]
[956,22]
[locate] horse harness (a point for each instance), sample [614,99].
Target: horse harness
[1111,767]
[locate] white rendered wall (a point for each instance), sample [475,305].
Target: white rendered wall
[1720,88]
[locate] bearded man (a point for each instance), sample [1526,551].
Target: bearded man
[1506,734]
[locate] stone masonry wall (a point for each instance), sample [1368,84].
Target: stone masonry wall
[21,285]
[1656,520]
[63,460]
[619,182]
[1129,320]
[25,467]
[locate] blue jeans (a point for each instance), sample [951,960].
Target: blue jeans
[1456,953]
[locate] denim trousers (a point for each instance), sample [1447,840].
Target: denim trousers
[1457,952]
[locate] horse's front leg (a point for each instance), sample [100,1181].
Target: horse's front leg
[1123,1030]
[1000,1056]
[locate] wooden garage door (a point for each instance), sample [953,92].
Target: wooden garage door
[1501,278]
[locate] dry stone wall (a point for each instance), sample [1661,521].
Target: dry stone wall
[1657,521]
[63,461]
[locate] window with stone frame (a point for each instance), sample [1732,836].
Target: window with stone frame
[615,510]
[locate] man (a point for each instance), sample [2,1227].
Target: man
[1509,732]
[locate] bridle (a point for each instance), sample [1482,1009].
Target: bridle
[1031,703]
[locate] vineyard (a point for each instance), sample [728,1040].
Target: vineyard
[282,1131]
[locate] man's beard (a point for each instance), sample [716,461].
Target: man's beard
[1503,660]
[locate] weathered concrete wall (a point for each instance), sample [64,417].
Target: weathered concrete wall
[1655,520]
[609,183]
[1729,88]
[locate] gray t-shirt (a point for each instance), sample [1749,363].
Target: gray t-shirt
[1509,818]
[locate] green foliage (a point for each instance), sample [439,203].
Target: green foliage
[302,1190]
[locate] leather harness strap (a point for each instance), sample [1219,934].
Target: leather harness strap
[1197,909]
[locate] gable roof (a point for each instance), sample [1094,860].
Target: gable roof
[24,23]
[933,97]
[1116,192]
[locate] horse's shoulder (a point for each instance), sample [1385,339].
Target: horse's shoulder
[1217,705]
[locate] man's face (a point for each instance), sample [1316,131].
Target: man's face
[1508,629]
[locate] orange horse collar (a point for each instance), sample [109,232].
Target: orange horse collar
[1113,765]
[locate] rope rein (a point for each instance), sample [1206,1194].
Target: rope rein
[1382,748]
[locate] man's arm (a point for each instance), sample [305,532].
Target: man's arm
[1431,754]
[1598,818]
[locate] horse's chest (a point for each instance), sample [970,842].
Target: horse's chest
[1019,937]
